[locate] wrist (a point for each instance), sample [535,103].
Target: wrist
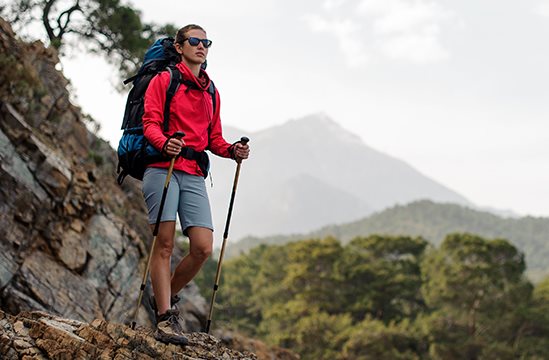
[232,154]
[164,147]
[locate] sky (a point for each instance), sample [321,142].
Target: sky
[457,89]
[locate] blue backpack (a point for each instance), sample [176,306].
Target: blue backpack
[134,151]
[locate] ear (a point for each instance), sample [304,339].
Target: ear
[178,48]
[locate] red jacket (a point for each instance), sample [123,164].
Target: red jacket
[191,111]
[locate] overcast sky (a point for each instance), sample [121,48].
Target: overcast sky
[457,89]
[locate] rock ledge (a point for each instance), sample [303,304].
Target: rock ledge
[39,335]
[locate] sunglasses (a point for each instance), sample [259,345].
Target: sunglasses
[194,41]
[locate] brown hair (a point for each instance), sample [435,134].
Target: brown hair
[182,33]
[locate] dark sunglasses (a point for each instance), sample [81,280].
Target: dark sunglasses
[194,41]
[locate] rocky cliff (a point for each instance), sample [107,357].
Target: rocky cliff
[72,242]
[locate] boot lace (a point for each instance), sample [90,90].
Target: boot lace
[174,322]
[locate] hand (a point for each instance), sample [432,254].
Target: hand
[241,152]
[173,146]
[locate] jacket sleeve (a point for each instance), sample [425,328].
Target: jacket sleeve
[153,116]
[217,144]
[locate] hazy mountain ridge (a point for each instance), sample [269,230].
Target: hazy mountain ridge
[433,221]
[317,149]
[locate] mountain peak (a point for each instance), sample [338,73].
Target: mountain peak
[322,126]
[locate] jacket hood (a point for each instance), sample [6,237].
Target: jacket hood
[203,80]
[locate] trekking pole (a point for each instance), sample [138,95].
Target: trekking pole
[178,135]
[244,141]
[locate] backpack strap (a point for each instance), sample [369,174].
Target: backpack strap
[175,80]
[140,74]
[211,91]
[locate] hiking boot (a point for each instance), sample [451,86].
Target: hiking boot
[168,329]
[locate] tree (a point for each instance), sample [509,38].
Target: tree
[321,336]
[105,27]
[311,275]
[373,340]
[381,277]
[477,294]
[532,339]
[296,281]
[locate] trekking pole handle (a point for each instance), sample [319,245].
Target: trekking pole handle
[178,135]
[243,140]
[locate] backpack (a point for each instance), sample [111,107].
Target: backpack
[135,153]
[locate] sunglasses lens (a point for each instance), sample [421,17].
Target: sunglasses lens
[194,41]
[207,43]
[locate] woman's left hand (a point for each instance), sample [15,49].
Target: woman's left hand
[241,152]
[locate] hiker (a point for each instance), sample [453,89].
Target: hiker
[192,113]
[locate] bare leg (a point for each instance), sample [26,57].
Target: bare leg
[201,240]
[160,265]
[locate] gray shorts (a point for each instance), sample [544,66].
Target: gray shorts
[186,196]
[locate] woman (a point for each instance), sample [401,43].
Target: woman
[193,113]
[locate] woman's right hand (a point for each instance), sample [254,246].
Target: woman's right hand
[173,146]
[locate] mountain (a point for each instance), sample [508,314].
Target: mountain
[310,172]
[433,221]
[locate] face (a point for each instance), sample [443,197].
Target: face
[193,55]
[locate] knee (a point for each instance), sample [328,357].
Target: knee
[164,247]
[201,253]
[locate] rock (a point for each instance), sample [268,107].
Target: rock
[59,288]
[39,335]
[72,250]
[13,166]
[8,267]
[53,173]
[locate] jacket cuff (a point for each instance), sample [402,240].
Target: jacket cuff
[164,147]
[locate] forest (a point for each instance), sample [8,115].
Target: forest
[386,297]
[432,221]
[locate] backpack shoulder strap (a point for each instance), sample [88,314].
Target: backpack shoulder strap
[175,80]
[211,90]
